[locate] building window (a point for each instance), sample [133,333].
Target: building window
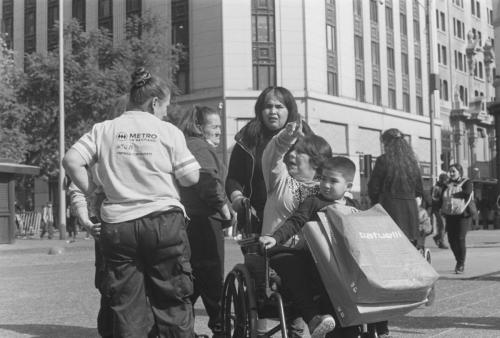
[377,95]
[8,22]
[404,63]
[330,38]
[443,22]
[418,69]
[358,47]
[443,94]
[375,53]
[480,64]
[333,87]
[358,8]
[360,90]
[180,39]
[133,7]
[392,98]
[389,22]
[406,102]
[390,58]
[52,17]
[442,54]
[105,15]
[30,26]
[263,44]
[420,105]
[331,48]
[78,12]
[402,23]
[416,30]
[374,11]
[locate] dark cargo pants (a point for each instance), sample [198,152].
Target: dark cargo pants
[149,277]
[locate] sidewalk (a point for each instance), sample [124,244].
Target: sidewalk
[35,244]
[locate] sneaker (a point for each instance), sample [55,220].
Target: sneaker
[459,269]
[441,245]
[319,326]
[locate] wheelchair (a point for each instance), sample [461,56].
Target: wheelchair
[248,294]
[251,292]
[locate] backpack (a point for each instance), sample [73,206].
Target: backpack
[453,205]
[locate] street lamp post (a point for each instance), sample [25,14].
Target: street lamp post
[61,190]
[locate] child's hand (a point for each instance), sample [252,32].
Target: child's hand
[267,241]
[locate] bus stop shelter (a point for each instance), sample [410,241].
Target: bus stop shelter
[8,172]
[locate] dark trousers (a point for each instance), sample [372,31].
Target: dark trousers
[439,237]
[148,276]
[302,285]
[105,315]
[47,227]
[206,240]
[299,278]
[457,227]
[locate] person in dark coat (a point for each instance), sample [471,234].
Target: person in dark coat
[395,183]
[458,225]
[274,108]
[207,207]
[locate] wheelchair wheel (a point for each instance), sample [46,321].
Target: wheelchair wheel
[239,309]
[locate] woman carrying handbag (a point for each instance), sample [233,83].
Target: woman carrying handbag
[457,209]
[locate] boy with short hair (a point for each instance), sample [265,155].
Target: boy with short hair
[336,180]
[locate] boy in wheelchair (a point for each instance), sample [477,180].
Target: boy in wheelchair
[300,279]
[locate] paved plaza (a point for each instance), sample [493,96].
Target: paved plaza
[52,296]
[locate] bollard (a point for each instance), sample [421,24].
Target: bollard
[56,250]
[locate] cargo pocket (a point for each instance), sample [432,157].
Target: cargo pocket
[183,281]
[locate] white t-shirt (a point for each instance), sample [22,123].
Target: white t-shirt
[139,158]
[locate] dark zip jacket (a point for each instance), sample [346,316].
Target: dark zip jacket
[245,169]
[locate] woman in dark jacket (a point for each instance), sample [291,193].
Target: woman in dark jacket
[274,108]
[395,183]
[207,207]
[457,225]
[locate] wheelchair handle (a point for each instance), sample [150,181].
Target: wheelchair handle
[266,259]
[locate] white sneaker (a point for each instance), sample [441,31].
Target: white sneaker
[319,326]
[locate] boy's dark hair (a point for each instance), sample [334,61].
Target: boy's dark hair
[342,165]
[316,147]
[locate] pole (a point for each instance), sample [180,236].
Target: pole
[61,190]
[434,78]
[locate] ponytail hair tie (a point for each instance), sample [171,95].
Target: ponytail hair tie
[140,77]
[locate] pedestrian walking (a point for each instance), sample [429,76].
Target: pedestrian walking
[395,183]
[47,220]
[458,213]
[142,159]
[207,208]
[437,216]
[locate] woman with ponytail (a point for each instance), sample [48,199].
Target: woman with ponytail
[207,208]
[142,160]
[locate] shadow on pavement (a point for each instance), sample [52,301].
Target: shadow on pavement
[50,331]
[438,322]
